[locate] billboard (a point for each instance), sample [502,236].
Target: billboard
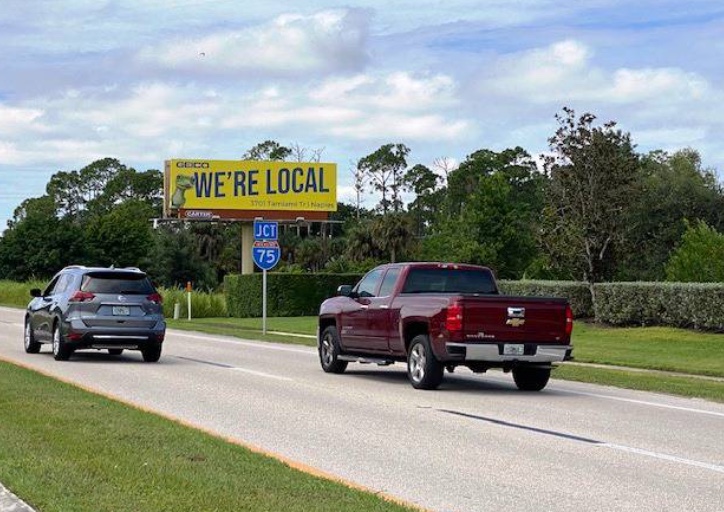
[239,185]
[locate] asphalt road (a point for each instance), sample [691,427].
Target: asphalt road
[476,444]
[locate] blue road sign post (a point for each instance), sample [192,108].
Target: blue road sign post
[266,253]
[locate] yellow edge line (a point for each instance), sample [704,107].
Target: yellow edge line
[299,466]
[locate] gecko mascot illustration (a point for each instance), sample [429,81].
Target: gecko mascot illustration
[183,183]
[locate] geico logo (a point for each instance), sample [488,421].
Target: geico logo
[192,165]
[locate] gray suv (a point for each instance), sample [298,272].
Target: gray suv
[96,308]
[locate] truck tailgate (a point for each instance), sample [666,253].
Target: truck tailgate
[514,319]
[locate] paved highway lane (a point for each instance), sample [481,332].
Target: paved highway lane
[476,444]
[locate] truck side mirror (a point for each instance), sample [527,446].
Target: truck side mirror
[345,290]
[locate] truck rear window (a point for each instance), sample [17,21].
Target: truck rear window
[449,280]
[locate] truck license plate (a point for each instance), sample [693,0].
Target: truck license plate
[121,311]
[513,350]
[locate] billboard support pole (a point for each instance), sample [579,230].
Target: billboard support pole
[247,242]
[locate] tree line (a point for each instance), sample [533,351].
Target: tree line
[592,209]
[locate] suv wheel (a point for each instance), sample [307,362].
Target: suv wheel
[61,350]
[423,369]
[329,351]
[151,352]
[31,346]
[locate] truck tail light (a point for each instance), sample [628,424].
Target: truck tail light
[569,320]
[454,317]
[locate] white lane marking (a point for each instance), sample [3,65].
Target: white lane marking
[261,344]
[652,404]
[663,456]
[261,374]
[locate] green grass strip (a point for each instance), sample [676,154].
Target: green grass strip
[655,348]
[691,387]
[67,449]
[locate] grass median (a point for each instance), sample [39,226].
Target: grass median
[67,449]
[692,353]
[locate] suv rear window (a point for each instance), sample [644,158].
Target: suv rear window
[449,280]
[117,282]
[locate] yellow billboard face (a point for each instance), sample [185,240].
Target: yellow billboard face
[252,185]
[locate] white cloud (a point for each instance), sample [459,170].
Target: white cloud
[629,85]
[292,44]
[15,119]
[157,120]
[565,71]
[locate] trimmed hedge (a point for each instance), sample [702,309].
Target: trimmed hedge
[287,294]
[576,292]
[687,305]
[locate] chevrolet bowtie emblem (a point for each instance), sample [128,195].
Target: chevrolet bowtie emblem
[515,322]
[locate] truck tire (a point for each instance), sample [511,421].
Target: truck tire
[329,351]
[423,369]
[530,378]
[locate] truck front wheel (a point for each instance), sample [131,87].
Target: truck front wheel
[530,378]
[423,369]
[329,351]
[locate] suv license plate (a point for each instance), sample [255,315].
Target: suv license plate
[121,311]
[513,350]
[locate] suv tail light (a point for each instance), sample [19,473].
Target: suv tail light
[454,317]
[155,298]
[569,320]
[81,296]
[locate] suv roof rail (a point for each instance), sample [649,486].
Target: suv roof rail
[132,268]
[74,266]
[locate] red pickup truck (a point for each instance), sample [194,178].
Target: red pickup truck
[437,316]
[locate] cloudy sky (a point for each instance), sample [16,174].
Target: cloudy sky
[147,81]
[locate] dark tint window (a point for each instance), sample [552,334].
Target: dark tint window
[115,282]
[368,285]
[449,280]
[389,282]
[51,286]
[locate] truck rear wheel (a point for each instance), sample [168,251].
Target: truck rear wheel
[329,351]
[530,378]
[423,369]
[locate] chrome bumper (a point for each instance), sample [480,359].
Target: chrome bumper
[491,352]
